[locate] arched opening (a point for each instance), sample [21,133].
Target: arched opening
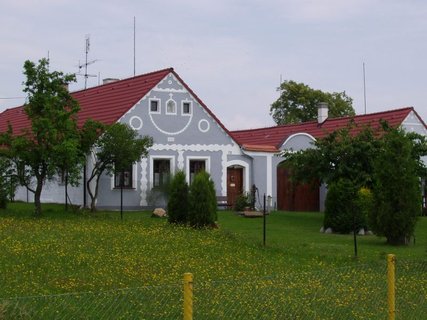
[292,196]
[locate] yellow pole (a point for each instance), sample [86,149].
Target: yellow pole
[391,292]
[188,296]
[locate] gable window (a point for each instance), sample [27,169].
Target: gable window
[161,172]
[171,107]
[186,108]
[154,106]
[123,178]
[195,167]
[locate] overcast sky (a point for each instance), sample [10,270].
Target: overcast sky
[231,53]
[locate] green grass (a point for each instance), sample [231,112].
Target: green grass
[66,252]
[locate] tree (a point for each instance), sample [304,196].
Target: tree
[339,155]
[118,147]
[53,136]
[396,192]
[202,210]
[298,103]
[7,184]
[178,199]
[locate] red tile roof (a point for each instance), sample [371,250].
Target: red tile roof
[271,138]
[106,103]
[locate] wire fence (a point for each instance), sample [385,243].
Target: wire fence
[355,292]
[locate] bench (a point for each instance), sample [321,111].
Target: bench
[222,202]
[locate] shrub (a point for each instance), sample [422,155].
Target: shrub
[202,208]
[3,195]
[364,204]
[396,190]
[178,199]
[242,202]
[341,210]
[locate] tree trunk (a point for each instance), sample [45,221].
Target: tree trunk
[37,195]
[93,195]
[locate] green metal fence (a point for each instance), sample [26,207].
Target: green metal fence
[359,291]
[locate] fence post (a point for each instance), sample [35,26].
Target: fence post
[391,294]
[188,296]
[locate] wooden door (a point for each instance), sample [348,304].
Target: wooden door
[234,185]
[293,196]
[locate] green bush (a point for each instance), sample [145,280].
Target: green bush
[364,204]
[396,191]
[341,209]
[178,199]
[202,208]
[242,202]
[3,196]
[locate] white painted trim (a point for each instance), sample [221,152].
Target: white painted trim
[144,182]
[246,172]
[159,105]
[269,173]
[134,127]
[295,135]
[155,157]
[199,125]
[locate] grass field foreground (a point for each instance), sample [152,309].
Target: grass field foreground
[67,252]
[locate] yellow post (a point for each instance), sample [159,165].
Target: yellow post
[188,296]
[391,293]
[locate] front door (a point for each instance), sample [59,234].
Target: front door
[234,184]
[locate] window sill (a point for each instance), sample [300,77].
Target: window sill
[124,188]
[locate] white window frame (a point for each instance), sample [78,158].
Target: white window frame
[172,166]
[191,108]
[134,179]
[158,106]
[174,107]
[198,158]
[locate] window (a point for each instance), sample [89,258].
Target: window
[171,107]
[195,167]
[186,108]
[161,172]
[154,106]
[123,178]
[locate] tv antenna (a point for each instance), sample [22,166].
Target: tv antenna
[86,63]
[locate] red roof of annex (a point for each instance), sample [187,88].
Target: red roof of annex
[270,139]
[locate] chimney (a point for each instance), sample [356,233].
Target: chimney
[109,80]
[322,112]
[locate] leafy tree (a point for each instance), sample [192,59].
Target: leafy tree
[53,137]
[396,191]
[298,103]
[339,155]
[116,149]
[202,209]
[178,199]
[6,182]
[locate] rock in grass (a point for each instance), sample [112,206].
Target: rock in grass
[322,229]
[328,231]
[361,232]
[159,213]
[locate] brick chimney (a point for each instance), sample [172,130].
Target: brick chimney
[322,112]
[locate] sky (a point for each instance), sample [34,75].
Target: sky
[232,53]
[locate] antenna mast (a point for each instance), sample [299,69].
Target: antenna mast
[134,46]
[86,75]
[364,86]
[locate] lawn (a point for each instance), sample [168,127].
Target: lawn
[301,272]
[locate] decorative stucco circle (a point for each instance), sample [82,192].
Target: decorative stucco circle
[204,125]
[136,122]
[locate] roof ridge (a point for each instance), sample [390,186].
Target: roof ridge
[170,69]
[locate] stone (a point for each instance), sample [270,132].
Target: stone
[361,232]
[159,212]
[328,231]
[369,233]
[322,229]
